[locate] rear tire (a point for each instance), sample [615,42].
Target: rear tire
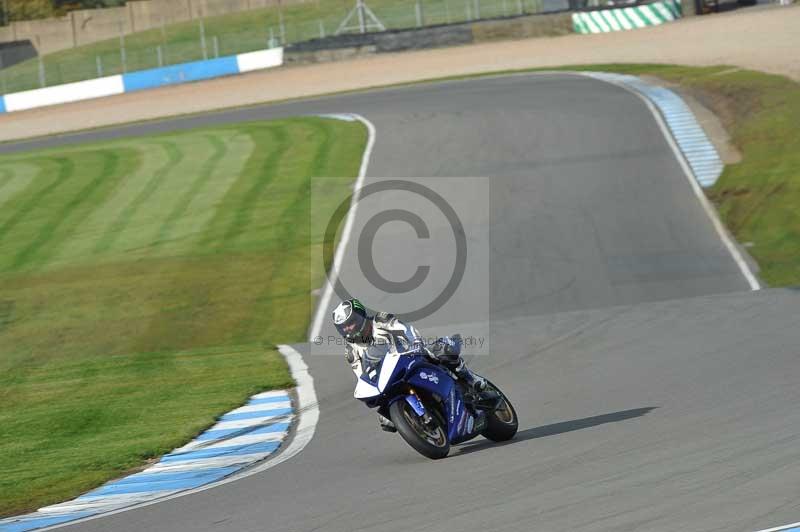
[428,440]
[502,424]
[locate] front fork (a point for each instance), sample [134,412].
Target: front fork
[418,407]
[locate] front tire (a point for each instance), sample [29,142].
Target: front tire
[502,423]
[429,439]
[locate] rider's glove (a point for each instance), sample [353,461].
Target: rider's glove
[447,349]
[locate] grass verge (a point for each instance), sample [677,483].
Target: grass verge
[143,286]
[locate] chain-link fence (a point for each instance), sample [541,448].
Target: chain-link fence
[212,37]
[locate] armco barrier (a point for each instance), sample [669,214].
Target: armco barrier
[144,79]
[337,47]
[627,18]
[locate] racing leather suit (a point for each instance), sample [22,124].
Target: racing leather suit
[445,351]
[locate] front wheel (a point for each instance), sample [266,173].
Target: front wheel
[502,422]
[427,437]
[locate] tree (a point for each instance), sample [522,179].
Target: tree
[28,9]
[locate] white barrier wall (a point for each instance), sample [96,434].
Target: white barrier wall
[71,92]
[144,79]
[261,59]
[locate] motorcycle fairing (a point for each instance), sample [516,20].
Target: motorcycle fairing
[365,389]
[438,382]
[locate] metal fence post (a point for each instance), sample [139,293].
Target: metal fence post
[216,46]
[271,43]
[478,9]
[41,64]
[99,63]
[447,12]
[469,11]
[321,30]
[203,39]
[418,13]
[2,77]
[520,8]
[282,26]
[42,78]
[122,55]
[160,55]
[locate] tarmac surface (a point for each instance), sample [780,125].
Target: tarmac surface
[655,392]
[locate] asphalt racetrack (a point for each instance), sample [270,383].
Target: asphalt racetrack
[655,391]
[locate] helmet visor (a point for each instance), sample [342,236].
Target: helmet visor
[352,327]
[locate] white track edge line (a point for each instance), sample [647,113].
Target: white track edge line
[307,414]
[687,171]
[330,279]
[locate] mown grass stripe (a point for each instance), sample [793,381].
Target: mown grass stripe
[174,156]
[266,170]
[108,168]
[22,176]
[219,152]
[293,219]
[65,168]
[5,178]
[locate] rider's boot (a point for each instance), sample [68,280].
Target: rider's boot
[475,382]
[386,424]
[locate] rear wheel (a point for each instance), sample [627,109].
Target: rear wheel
[427,436]
[502,423]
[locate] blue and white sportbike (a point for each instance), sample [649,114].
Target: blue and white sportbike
[431,408]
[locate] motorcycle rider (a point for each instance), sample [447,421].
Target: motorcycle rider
[361,330]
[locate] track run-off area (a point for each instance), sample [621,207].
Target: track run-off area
[655,390]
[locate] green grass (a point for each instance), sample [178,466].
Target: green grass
[236,33]
[143,286]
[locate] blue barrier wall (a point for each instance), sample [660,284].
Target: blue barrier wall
[196,71]
[2,104]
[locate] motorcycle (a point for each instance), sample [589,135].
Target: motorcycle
[428,404]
